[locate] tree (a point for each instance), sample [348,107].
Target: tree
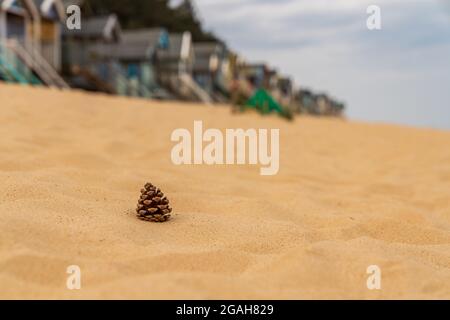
[152,13]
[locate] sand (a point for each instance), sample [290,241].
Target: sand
[348,195]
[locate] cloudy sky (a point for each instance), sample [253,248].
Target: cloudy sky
[399,74]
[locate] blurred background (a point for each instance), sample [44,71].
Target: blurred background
[289,56]
[399,74]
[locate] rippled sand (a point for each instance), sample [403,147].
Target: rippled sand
[348,195]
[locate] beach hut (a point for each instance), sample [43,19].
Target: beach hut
[259,75]
[80,46]
[205,65]
[16,18]
[178,57]
[136,53]
[21,60]
[283,91]
[209,69]
[323,103]
[89,55]
[227,72]
[236,79]
[318,104]
[48,30]
[175,66]
[20,35]
[337,108]
[329,106]
[15,25]
[215,69]
[306,101]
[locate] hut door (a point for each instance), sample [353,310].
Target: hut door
[48,42]
[16,28]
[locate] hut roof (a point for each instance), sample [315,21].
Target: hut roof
[258,70]
[262,66]
[51,9]
[106,28]
[284,82]
[147,37]
[141,44]
[204,53]
[175,49]
[19,7]
[72,2]
[206,48]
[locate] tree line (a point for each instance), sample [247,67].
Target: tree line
[152,13]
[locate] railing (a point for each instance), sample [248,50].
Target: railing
[36,62]
[14,69]
[125,86]
[111,76]
[187,80]
[122,84]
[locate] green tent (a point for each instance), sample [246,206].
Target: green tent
[264,103]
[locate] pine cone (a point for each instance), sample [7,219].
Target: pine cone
[153,205]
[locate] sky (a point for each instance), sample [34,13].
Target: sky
[399,74]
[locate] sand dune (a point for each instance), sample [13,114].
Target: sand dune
[348,195]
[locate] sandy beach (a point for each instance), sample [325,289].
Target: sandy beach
[347,195]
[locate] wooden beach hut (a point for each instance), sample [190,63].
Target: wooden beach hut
[306,100]
[175,66]
[21,61]
[48,30]
[16,21]
[136,53]
[213,69]
[205,65]
[328,106]
[236,79]
[318,104]
[323,103]
[15,25]
[282,91]
[227,72]
[259,75]
[89,56]
[81,46]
